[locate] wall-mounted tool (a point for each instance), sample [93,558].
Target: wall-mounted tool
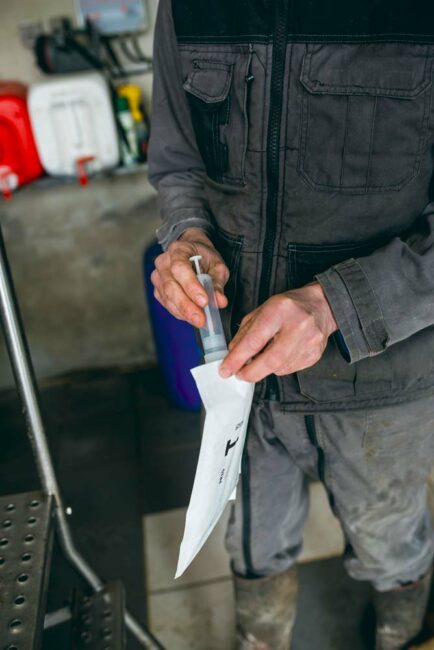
[67,49]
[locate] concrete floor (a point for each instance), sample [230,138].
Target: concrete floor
[110,433]
[92,425]
[196,612]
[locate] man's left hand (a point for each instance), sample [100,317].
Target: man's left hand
[288,333]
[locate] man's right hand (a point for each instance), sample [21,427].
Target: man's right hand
[175,282]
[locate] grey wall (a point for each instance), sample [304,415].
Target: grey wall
[18,63]
[75,255]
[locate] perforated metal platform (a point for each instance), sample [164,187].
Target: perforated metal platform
[98,620]
[25,557]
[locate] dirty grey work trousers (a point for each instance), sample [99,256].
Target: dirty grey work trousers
[374,465]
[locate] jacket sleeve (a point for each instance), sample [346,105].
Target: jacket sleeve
[176,168]
[385,297]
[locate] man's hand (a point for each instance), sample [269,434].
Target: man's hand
[286,334]
[176,285]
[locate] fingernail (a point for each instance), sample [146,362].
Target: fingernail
[225,372]
[201,299]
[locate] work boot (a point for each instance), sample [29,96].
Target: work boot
[265,611]
[400,614]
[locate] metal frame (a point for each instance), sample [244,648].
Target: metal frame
[98,621]
[26,384]
[26,534]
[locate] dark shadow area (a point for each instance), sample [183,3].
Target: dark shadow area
[333,611]
[120,451]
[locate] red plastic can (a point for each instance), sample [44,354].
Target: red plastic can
[19,160]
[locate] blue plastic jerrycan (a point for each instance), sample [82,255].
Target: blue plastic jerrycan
[177,347]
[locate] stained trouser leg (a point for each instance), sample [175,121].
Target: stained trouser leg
[264,535]
[265,528]
[377,463]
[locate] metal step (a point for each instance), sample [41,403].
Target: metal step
[26,534]
[98,619]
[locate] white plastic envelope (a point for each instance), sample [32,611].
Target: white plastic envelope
[227,404]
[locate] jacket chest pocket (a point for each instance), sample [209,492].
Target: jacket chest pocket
[217,93]
[364,115]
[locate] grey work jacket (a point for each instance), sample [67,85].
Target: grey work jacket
[299,136]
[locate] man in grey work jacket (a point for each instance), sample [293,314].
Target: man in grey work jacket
[292,148]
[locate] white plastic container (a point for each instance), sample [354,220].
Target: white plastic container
[73,124]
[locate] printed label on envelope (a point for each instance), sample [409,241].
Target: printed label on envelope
[227,404]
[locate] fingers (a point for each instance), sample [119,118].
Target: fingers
[169,306]
[282,356]
[176,284]
[220,275]
[248,344]
[244,326]
[284,335]
[219,272]
[221,299]
[172,296]
[264,364]
[182,271]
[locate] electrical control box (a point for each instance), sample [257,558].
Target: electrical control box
[114,16]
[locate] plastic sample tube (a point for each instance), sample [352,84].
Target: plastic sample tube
[212,336]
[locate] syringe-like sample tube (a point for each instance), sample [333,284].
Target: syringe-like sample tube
[212,335]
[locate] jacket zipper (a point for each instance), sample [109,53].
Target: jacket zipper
[273,136]
[273,145]
[245,461]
